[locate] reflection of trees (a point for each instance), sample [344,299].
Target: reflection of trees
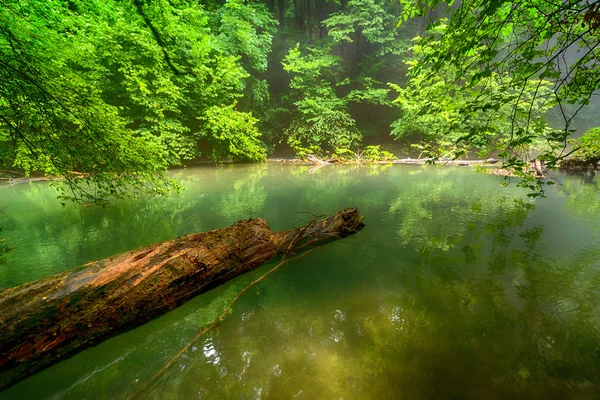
[516,323]
[3,245]
[48,237]
[520,324]
[475,304]
[531,321]
[337,186]
[437,212]
[583,195]
[246,198]
[325,186]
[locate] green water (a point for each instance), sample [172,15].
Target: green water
[458,287]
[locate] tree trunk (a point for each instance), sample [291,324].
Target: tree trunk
[271,5]
[299,14]
[281,6]
[53,318]
[309,21]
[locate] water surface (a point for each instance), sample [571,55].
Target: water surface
[458,287]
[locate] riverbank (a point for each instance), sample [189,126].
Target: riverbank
[493,166]
[402,161]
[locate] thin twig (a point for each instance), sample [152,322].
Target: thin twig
[211,326]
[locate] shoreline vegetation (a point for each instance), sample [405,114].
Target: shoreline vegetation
[491,166]
[121,92]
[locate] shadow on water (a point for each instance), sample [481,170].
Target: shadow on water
[456,288]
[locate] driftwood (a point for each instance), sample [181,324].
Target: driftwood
[318,163]
[443,161]
[312,160]
[53,318]
[537,168]
[315,160]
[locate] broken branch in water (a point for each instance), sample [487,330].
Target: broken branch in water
[207,328]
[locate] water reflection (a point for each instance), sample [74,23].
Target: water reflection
[247,197]
[508,322]
[529,331]
[457,287]
[583,194]
[48,238]
[437,212]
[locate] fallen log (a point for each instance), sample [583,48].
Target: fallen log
[44,321]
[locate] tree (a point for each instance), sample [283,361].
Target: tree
[587,149]
[322,118]
[530,45]
[54,118]
[110,94]
[452,118]
[340,75]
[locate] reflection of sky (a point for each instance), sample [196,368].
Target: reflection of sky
[211,353]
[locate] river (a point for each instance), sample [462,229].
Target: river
[458,287]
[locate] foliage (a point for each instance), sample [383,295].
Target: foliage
[232,134]
[323,121]
[453,117]
[54,116]
[322,118]
[246,28]
[374,20]
[109,94]
[587,147]
[372,153]
[525,44]
[343,69]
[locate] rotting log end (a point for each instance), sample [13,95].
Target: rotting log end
[340,225]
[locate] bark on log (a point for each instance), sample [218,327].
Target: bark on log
[53,318]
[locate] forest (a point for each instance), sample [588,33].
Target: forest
[165,165]
[110,94]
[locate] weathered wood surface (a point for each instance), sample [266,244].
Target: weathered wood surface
[53,318]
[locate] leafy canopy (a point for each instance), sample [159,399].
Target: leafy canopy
[108,94]
[531,46]
[452,118]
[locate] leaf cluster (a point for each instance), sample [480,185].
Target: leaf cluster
[529,53]
[110,94]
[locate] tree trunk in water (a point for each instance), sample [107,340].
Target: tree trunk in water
[53,318]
